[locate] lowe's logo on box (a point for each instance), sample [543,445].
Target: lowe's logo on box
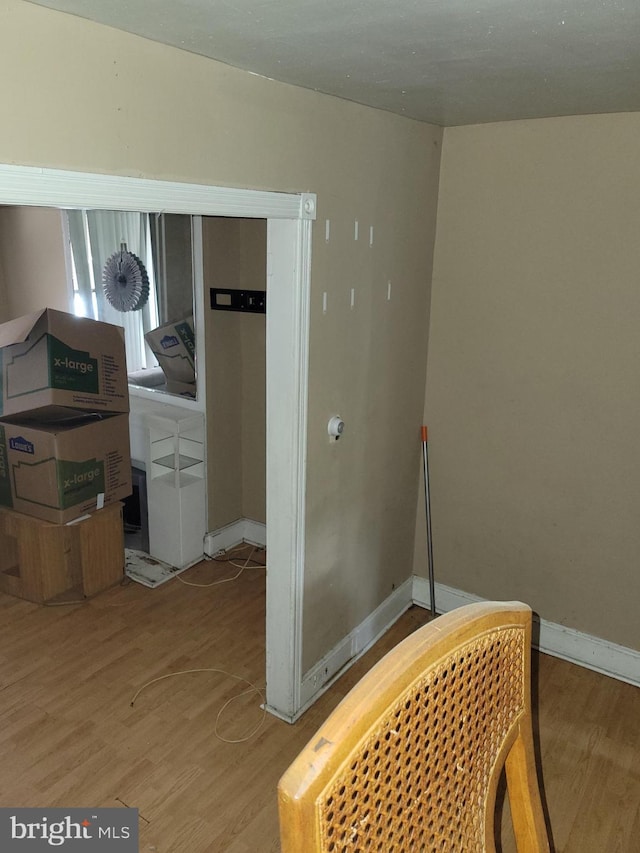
[169,341]
[82,830]
[21,444]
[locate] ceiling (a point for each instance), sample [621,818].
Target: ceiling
[448,62]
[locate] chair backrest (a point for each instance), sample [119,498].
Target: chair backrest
[411,758]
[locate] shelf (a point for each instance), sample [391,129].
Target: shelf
[174,480]
[184,461]
[176,485]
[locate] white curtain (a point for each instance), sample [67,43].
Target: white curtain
[94,236]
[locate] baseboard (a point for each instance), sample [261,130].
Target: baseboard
[557,640]
[254,532]
[242,530]
[321,676]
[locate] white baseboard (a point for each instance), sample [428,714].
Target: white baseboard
[254,532]
[321,676]
[557,640]
[242,530]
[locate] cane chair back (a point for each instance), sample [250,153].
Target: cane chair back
[409,762]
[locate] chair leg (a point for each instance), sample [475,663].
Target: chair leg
[524,797]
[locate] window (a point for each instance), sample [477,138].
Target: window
[94,235]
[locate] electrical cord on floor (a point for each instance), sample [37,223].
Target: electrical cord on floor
[252,689]
[240,566]
[230,556]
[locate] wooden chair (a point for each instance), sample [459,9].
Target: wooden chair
[410,760]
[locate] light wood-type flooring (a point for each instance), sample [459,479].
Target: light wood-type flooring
[70,737]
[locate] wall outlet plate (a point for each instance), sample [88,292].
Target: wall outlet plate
[249,301]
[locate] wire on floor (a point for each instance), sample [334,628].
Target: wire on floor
[252,689]
[230,561]
[230,556]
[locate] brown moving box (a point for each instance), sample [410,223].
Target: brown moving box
[174,346]
[40,561]
[60,471]
[50,358]
[183,389]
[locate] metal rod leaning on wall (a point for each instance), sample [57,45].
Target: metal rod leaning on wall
[427,504]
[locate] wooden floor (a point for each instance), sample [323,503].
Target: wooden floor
[70,737]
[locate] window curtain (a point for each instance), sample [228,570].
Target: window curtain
[94,236]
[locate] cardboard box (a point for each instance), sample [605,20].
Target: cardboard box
[59,471]
[41,561]
[183,389]
[50,358]
[175,348]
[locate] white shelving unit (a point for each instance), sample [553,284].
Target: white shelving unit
[176,484]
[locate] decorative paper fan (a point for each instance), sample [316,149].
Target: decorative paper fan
[125,281]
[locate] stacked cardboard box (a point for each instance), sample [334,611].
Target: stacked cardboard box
[64,426]
[40,561]
[174,346]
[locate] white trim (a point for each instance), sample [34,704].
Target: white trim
[242,530]
[288,289]
[200,306]
[556,640]
[29,185]
[447,598]
[591,652]
[323,674]
[255,533]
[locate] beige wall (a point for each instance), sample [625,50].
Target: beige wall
[177,294]
[235,256]
[85,97]
[253,328]
[534,370]
[33,263]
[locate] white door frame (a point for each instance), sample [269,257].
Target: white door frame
[288,277]
[289,218]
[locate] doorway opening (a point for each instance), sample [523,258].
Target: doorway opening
[289,218]
[235,265]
